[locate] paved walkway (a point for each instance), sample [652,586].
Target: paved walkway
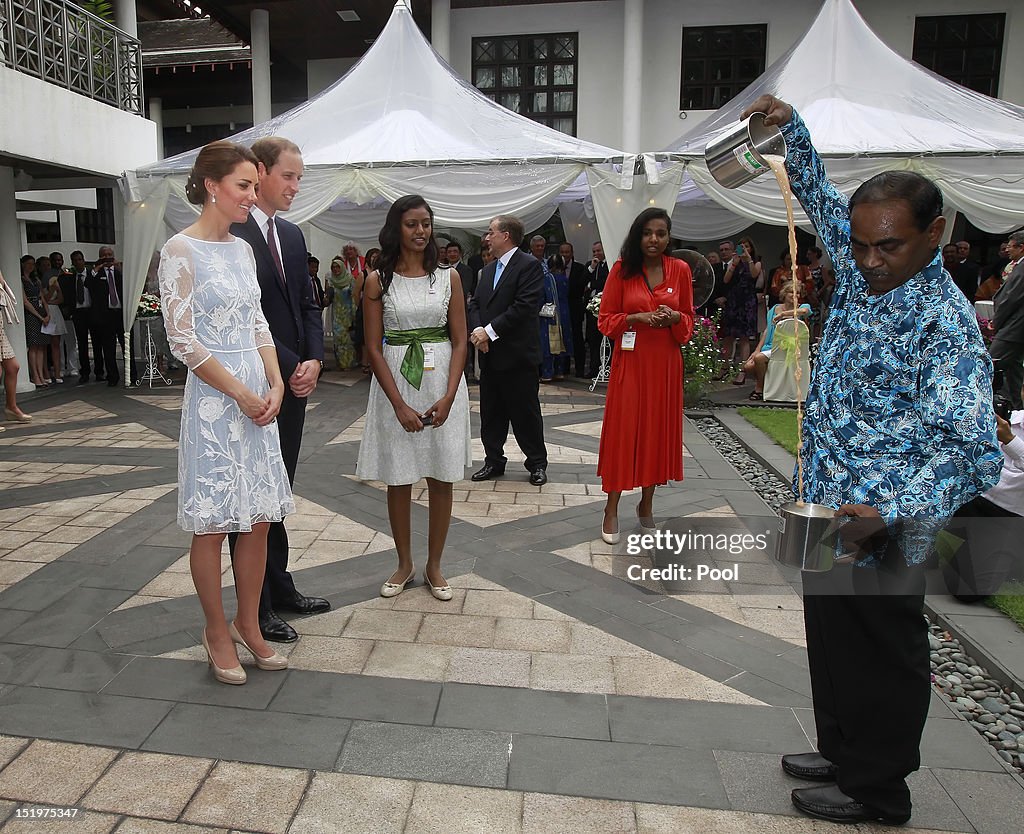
[549,695]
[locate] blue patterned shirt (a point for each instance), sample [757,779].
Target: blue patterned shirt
[899,409]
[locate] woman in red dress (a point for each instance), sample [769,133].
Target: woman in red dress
[647,311]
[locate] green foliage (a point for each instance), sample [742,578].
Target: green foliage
[101,8]
[702,359]
[1010,602]
[778,423]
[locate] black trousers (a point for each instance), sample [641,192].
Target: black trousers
[990,552]
[593,339]
[84,331]
[512,396]
[1010,358]
[277,581]
[109,331]
[870,677]
[577,315]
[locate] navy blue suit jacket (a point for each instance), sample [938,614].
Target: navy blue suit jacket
[512,309]
[295,320]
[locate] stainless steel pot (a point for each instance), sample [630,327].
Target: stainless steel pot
[735,157]
[809,536]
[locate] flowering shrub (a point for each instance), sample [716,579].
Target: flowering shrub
[702,359]
[594,305]
[988,332]
[149,306]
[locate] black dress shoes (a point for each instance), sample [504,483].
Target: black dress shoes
[827,802]
[538,477]
[276,630]
[811,766]
[486,472]
[299,604]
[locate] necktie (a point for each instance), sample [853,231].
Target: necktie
[272,243]
[80,281]
[497,273]
[112,290]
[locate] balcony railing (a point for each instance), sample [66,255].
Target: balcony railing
[65,45]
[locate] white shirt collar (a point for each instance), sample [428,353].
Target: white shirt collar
[261,218]
[507,257]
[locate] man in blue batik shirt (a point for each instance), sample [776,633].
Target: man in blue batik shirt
[899,433]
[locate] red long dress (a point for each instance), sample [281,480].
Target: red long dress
[642,435]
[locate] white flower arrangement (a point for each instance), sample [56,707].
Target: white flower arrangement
[594,305]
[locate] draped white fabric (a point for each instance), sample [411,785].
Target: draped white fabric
[143,228]
[870,110]
[616,206]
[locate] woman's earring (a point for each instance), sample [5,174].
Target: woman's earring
[213,199]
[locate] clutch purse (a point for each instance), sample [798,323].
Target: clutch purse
[547,311]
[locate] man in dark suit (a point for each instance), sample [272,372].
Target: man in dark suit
[297,327]
[579,283]
[106,286]
[597,271]
[82,318]
[505,328]
[453,252]
[1008,346]
[961,269]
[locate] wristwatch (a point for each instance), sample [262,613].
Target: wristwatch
[321,368]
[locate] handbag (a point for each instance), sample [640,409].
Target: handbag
[547,311]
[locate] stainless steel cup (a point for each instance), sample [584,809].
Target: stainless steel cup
[809,533]
[735,157]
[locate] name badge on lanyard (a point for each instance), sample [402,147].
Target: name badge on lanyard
[428,357]
[629,340]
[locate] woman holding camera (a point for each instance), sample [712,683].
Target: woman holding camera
[417,417]
[739,318]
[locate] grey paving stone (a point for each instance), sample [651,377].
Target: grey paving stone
[134,570]
[992,802]
[78,716]
[704,725]
[11,618]
[62,622]
[33,594]
[933,807]
[571,715]
[768,691]
[273,738]
[756,782]
[58,668]
[433,754]
[956,745]
[614,770]
[762,663]
[190,682]
[366,698]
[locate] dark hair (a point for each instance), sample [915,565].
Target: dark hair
[571,247]
[631,253]
[54,255]
[513,226]
[454,243]
[921,193]
[1016,237]
[556,263]
[815,249]
[215,161]
[269,148]
[77,252]
[370,255]
[390,238]
[313,260]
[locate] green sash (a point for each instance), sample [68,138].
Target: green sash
[412,364]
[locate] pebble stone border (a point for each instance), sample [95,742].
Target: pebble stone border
[996,714]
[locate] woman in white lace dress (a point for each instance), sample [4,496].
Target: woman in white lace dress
[417,418]
[231,476]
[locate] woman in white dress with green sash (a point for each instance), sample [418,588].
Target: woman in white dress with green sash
[417,417]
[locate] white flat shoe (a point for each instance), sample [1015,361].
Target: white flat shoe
[441,592]
[392,589]
[274,663]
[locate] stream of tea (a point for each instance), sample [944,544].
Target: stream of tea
[778,166]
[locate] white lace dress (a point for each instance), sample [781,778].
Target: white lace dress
[388,452]
[230,471]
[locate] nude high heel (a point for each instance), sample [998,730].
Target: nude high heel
[274,663]
[233,677]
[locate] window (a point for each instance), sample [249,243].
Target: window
[97,225]
[534,75]
[718,62]
[966,49]
[37,231]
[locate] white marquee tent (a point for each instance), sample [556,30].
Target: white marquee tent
[870,110]
[401,121]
